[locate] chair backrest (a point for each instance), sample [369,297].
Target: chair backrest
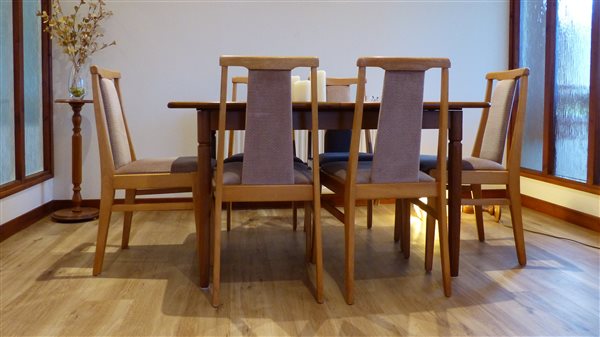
[234,93]
[114,141]
[338,90]
[234,86]
[397,147]
[268,151]
[494,124]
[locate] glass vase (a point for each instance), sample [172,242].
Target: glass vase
[77,85]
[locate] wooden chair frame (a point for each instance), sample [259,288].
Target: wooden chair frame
[256,193]
[234,94]
[133,184]
[352,191]
[348,81]
[510,176]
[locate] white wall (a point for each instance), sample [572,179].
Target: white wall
[169,51]
[558,195]
[25,201]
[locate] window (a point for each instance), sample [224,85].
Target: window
[559,41]
[25,97]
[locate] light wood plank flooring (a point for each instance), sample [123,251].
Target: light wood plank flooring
[46,287]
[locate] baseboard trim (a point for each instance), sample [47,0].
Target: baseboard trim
[561,212]
[23,221]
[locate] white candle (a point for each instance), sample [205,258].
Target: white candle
[321,81]
[294,79]
[301,91]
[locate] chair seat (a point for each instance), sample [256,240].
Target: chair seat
[329,157]
[232,173]
[239,157]
[429,162]
[160,165]
[338,170]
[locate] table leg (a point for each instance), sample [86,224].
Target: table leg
[76,213]
[204,195]
[454,188]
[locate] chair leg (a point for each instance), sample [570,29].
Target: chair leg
[349,249]
[444,250]
[317,248]
[369,214]
[295,216]
[514,194]
[398,222]
[429,236]
[106,202]
[229,210]
[129,199]
[211,230]
[478,210]
[216,251]
[402,220]
[308,230]
[199,230]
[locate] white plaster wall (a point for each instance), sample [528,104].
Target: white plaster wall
[566,197]
[25,201]
[169,50]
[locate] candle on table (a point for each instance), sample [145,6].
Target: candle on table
[321,81]
[301,91]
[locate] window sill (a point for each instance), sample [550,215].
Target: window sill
[585,187]
[13,187]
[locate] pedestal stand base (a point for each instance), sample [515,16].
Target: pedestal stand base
[68,214]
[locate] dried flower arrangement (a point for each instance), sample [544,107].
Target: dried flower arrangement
[78,35]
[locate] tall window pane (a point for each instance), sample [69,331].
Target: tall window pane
[572,88]
[7,103]
[532,54]
[32,71]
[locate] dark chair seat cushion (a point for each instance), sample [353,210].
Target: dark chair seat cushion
[239,157]
[329,157]
[429,162]
[232,173]
[160,165]
[339,170]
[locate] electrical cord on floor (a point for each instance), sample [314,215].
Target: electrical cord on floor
[557,237]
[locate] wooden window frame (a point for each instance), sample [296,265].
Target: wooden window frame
[592,184]
[23,181]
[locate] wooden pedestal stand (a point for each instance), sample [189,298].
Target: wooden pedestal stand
[76,213]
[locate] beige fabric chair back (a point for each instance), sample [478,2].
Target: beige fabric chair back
[113,135]
[496,128]
[396,153]
[398,143]
[268,150]
[338,93]
[495,120]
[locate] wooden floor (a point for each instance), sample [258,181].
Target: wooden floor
[46,287]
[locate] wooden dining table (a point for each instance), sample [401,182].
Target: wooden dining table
[331,116]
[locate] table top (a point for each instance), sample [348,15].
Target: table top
[232,106]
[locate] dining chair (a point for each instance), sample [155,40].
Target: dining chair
[121,170]
[336,143]
[394,170]
[268,171]
[485,164]
[239,157]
